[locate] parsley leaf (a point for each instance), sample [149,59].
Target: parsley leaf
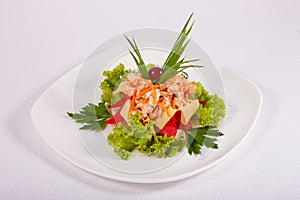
[92,116]
[204,136]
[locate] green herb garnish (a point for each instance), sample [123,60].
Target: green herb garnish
[92,116]
[199,137]
[173,64]
[138,60]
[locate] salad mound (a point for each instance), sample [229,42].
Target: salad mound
[155,110]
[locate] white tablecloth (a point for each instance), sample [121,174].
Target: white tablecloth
[41,40]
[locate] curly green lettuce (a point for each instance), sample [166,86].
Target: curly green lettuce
[122,142]
[111,81]
[213,110]
[166,147]
[201,93]
[136,136]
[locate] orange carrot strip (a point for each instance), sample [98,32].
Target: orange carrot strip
[144,101]
[162,88]
[154,93]
[174,102]
[131,107]
[145,90]
[165,109]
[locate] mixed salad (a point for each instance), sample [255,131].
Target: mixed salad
[155,110]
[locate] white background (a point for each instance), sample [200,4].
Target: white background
[42,40]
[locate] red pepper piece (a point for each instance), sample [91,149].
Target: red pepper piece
[111,121]
[120,103]
[177,118]
[170,129]
[117,118]
[203,103]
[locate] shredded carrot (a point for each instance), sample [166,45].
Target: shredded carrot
[161,99]
[162,88]
[145,90]
[131,107]
[174,102]
[154,93]
[165,109]
[144,101]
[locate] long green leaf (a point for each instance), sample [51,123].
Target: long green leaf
[173,64]
[178,45]
[138,58]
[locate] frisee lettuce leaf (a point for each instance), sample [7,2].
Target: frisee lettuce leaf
[212,112]
[135,136]
[112,81]
[122,142]
[166,147]
[201,93]
[214,108]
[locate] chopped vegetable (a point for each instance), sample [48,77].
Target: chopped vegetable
[170,129]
